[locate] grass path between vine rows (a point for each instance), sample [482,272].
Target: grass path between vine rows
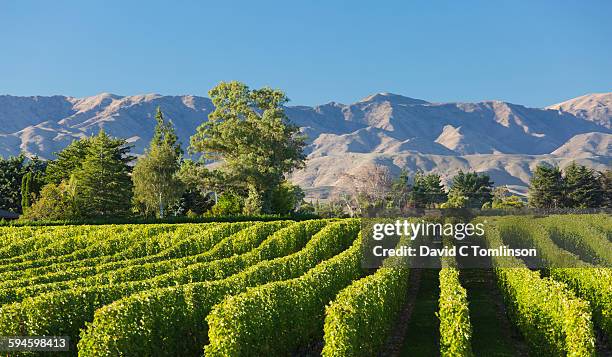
[422,332]
[492,332]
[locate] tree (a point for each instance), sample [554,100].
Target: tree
[156,181]
[502,199]
[427,190]
[287,198]
[456,200]
[401,189]
[56,202]
[476,187]
[165,133]
[605,182]
[102,183]
[368,187]
[67,161]
[26,191]
[546,187]
[228,204]
[12,171]
[582,187]
[251,138]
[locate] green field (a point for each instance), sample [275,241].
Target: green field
[285,288]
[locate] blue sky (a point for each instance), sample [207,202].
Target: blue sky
[529,52]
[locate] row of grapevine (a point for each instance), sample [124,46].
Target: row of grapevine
[453,310]
[172,321]
[550,317]
[239,243]
[580,238]
[358,321]
[13,251]
[98,242]
[65,312]
[181,242]
[593,284]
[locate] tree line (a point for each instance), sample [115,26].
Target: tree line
[248,138]
[247,149]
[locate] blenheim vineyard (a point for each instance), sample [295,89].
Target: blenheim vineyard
[286,287]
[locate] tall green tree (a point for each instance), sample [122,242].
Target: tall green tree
[26,191]
[427,190]
[547,187]
[475,186]
[165,133]
[102,184]
[156,175]
[250,136]
[72,156]
[400,190]
[12,171]
[605,182]
[582,187]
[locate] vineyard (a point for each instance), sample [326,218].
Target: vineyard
[284,288]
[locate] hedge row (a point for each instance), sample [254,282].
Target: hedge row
[453,311]
[551,318]
[12,252]
[591,283]
[95,243]
[169,271]
[184,240]
[577,236]
[171,321]
[65,312]
[358,321]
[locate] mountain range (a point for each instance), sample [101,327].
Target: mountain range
[505,140]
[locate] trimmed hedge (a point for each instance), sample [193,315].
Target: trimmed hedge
[171,321]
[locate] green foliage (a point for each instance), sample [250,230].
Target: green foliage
[555,326]
[165,134]
[56,202]
[276,318]
[453,312]
[156,183]
[253,202]
[66,311]
[583,188]
[605,182]
[360,318]
[249,133]
[12,171]
[156,174]
[475,186]
[455,200]
[546,187]
[68,160]
[131,325]
[286,198]
[102,183]
[502,199]
[26,192]
[427,190]
[228,203]
[591,283]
